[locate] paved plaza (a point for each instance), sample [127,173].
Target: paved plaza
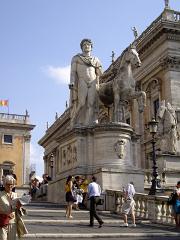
[46,220]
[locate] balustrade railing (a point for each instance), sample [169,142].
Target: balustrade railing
[177,16]
[13,118]
[153,208]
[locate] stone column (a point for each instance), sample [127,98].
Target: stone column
[1,172]
[26,162]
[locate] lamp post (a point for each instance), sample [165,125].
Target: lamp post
[52,164]
[153,125]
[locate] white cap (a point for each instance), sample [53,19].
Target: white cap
[8,179]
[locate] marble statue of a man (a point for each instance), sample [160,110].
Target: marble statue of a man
[85,72]
[168,128]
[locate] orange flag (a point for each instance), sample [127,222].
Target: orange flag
[4,103]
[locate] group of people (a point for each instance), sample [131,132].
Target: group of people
[36,184]
[76,193]
[128,207]
[93,194]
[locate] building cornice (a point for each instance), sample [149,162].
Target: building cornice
[170,63]
[8,125]
[167,23]
[60,125]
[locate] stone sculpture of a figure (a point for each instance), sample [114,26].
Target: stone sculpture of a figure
[168,128]
[85,72]
[135,32]
[166,3]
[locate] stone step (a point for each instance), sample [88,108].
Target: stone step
[102,235]
[49,222]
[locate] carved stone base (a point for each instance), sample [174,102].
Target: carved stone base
[104,150]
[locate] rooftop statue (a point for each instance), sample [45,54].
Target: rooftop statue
[135,32]
[119,87]
[166,3]
[85,72]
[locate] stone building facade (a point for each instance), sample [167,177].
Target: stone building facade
[159,76]
[15,137]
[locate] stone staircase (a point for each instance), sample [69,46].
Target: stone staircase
[48,221]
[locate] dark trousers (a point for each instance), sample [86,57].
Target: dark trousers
[93,213]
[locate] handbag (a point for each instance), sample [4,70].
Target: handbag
[172,199]
[100,201]
[4,220]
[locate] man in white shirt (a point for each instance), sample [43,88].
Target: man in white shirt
[94,192]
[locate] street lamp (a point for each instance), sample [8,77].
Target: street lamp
[153,126]
[52,164]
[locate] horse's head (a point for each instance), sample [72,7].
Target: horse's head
[132,56]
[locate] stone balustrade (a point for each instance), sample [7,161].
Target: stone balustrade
[153,208]
[177,16]
[148,207]
[11,118]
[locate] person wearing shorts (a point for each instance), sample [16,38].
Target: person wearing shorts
[128,206]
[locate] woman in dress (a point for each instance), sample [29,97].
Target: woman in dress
[69,196]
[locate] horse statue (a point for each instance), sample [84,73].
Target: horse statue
[119,87]
[168,133]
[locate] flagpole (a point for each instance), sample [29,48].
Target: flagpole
[8,105]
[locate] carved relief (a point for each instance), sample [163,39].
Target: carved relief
[64,157]
[170,62]
[104,116]
[74,154]
[119,148]
[69,155]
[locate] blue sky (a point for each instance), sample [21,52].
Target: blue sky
[39,38]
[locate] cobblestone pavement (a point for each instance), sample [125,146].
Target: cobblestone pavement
[48,221]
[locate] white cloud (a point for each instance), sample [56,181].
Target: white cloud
[60,74]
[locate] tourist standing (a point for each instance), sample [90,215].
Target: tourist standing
[77,191]
[94,192]
[129,205]
[176,205]
[84,187]
[69,196]
[11,172]
[7,209]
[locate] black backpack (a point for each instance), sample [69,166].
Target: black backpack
[172,198]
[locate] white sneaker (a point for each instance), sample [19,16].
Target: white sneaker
[124,225]
[133,225]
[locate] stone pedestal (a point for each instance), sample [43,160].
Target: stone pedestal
[169,169]
[104,150]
